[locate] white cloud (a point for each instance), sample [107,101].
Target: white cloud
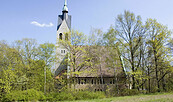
[42,25]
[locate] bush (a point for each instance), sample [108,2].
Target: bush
[64,96]
[129,92]
[76,95]
[51,97]
[33,95]
[83,95]
[27,95]
[154,90]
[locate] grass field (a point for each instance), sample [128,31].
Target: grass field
[164,97]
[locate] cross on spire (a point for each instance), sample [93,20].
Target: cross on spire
[65,2]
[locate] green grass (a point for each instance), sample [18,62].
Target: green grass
[160,97]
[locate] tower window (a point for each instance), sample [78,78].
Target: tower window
[113,81]
[66,36]
[62,51]
[60,36]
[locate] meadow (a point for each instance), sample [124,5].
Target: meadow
[160,97]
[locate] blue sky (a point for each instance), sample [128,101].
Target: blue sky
[18,18]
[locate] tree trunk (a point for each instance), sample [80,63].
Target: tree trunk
[149,88]
[133,75]
[156,70]
[101,73]
[163,81]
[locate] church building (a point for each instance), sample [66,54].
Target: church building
[102,79]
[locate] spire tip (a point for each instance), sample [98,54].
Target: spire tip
[65,9]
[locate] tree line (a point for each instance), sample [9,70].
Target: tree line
[144,50]
[25,65]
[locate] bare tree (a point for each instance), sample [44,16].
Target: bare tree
[130,31]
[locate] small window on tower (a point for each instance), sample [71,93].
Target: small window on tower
[60,36]
[62,51]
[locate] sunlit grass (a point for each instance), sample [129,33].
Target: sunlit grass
[159,97]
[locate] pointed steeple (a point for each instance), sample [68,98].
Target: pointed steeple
[65,9]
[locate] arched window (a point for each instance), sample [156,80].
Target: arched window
[60,36]
[66,36]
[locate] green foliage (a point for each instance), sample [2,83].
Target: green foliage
[129,92]
[77,38]
[75,95]
[158,38]
[83,95]
[64,96]
[27,95]
[22,66]
[47,53]
[143,47]
[8,78]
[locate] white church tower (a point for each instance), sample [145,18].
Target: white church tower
[64,26]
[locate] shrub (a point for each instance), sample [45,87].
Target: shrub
[82,95]
[154,89]
[51,97]
[76,95]
[129,92]
[64,96]
[27,95]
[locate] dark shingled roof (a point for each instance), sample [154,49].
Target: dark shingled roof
[100,64]
[68,21]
